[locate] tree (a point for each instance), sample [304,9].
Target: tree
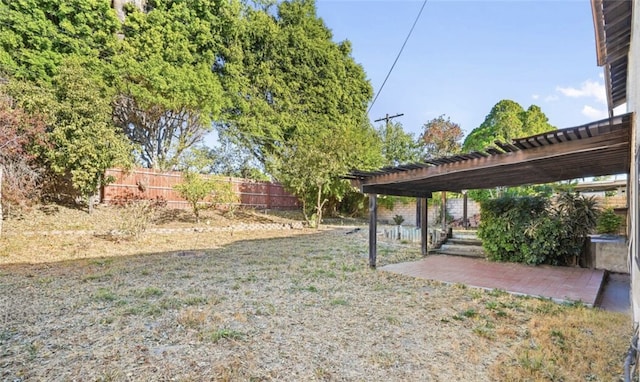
[84,140]
[299,101]
[199,191]
[309,169]
[37,35]
[507,120]
[168,90]
[398,146]
[441,137]
[231,159]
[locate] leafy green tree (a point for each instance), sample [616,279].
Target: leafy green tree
[299,102]
[37,35]
[84,140]
[231,159]
[168,90]
[81,139]
[507,120]
[441,137]
[398,146]
[534,121]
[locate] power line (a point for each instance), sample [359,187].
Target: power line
[398,56]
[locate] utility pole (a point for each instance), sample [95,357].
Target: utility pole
[388,117]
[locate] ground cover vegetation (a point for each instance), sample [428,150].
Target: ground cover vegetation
[286,304]
[537,230]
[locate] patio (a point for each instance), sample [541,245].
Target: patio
[562,284]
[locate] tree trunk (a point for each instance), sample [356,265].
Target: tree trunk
[319,204]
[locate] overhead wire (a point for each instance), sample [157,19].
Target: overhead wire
[398,55]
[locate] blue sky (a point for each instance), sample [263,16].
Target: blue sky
[465,56]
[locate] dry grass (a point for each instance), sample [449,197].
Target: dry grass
[285,305]
[579,344]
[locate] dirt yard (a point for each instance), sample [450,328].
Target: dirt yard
[192,303]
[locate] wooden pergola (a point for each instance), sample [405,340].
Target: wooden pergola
[595,149]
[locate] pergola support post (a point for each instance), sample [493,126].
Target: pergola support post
[444,212]
[373,229]
[424,230]
[465,220]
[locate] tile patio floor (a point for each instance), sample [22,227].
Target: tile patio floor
[557,283]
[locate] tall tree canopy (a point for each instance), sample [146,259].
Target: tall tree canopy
[507,120]
[441,137]
[398,146]
[168,92]
[299,101]
[270,78]
[37,35]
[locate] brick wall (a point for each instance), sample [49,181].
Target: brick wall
[152,184]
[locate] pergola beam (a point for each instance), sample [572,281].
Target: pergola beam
[599,155]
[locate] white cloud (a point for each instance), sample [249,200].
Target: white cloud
[535,96]
[587,89]
[594,113]
[601,75]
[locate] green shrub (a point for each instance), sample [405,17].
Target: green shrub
[504,224]
[609,222]
[529,230]
[202,192]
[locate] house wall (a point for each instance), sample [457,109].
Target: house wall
[633,105]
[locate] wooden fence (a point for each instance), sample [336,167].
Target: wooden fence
[152,184]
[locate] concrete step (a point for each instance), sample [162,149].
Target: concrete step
[465,241]
[467,234]
[458,253]
[461,250]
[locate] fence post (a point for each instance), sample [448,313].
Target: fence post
[269,196]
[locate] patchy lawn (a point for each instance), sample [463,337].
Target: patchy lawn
[287,305]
